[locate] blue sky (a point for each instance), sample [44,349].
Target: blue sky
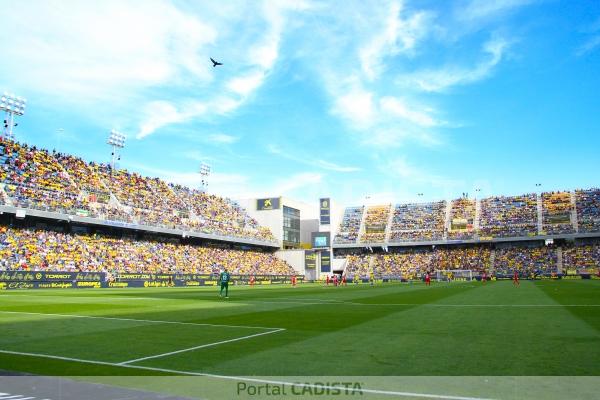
[385,99]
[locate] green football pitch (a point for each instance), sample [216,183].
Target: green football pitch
[542,328]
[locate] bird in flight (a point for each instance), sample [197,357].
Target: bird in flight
[215,63]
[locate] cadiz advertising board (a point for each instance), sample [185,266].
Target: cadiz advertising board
[272,203]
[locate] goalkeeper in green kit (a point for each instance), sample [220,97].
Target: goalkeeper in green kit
[224,279]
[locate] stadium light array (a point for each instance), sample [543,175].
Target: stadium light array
[117,141]
[12,105]
[204,173]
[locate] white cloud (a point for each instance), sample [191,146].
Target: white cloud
[441,79]
[356,106]
[245,85]
[382,121]
[297,181]
[82,51]
[327,165]
[407,173]
[589,46]
[196,156]
[161,113]
[125,56]
[335,167]
[396,36]
[478,9]
[253,68]
[401,109]
[222,138]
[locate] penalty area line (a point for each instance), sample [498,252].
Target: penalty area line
[202,346]
[247,379]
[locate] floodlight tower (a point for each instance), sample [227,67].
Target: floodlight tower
[117,141]
[11,105]
[204,173]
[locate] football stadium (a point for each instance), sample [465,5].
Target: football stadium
[160,243]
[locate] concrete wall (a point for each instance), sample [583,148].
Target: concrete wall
[272,219]
[307,226]
[293,257]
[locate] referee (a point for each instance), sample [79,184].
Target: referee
[224,279]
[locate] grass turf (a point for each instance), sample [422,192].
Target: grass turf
[542,328]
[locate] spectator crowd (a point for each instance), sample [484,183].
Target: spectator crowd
[418,222]
[556,214]
[51,181]
[44,250]
[462,219]
[376,220]
[350,225]
[588,210]
[513,216]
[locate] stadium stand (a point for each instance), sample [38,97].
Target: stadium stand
[557,209]
[50,181]
[350,225]
[476,258]
[588,210]
[513,216]
[376,220]
[526,260]
[34,179]
[409,263]
[582,257]
[216,214]
[418,222]
[45,250]
[462,218]
[358,265]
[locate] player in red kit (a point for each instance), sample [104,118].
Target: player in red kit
[294,280]
[344,280]
[516,278]
[484,277]
[428,279]
[252,280]
[335,280]
[327,280]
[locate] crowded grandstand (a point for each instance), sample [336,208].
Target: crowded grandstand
[546,234]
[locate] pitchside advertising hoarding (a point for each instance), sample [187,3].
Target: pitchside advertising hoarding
[310,259]
[272,203]
[326,261]
[91,280]
[325,211]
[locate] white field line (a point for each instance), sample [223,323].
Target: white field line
[311,299]
[75,298]
[477,305]
[200,347]
[246,379]
[140,320]
[7,396]
[419,304]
